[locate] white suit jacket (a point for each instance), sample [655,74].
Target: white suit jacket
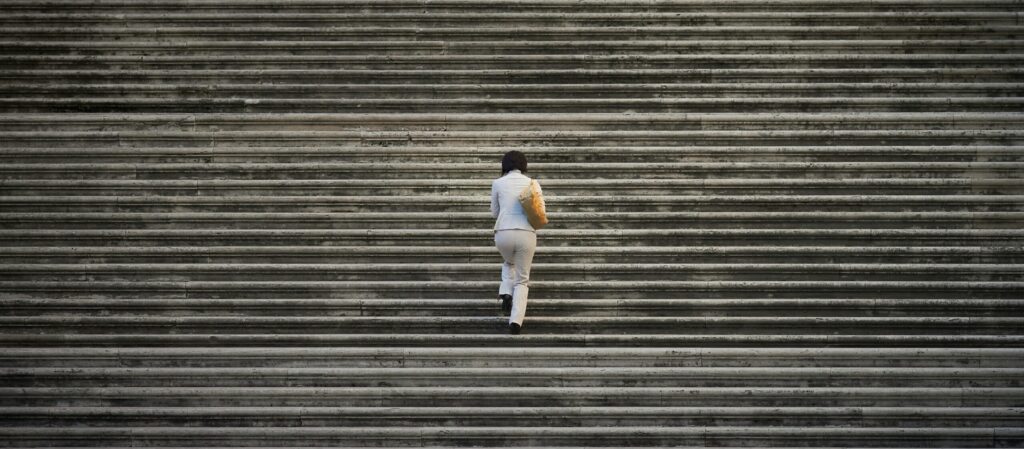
[505,207]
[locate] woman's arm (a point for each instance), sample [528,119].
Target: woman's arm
[543,207]
[494,201]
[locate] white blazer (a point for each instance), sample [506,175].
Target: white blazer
[505,207]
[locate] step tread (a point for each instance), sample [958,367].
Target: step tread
[853,411]
[134,340]
[450,267]
[489,250]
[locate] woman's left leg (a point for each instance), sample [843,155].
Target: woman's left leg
[522,259]
[505,242]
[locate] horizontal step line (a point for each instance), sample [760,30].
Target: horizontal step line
[489,250]
[422,73]
[485,183]
[983,57]
[436,135]
[507,15]
[505,88]
[540,101]
[483,215]
[517,3]
[856,411]
[506,372]
[468,320]
[540,285]
[633,433]
[363,118]
[424,217]
[602,87]
[454,46]
[625,150]
[455,166]
[488,28]
[455,268]
[443,352]
[541,302]
[583,233]
[550,199]
[207,342]
[157,392]
[439,103]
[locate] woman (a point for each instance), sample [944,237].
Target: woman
[514,237]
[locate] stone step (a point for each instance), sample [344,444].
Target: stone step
[93,221]
[511,416]
[547,6]
[486,289]
[77,324]
[818,243]
[570,187]
[517,62]
[511,397]
[492,340]
[448,155]
[538,306]
[555,204]
[530,138]
[530,76]
[525,377]
[507,105]
[209,175]
[541,272]
[416,93]
[399,355]
[482,122]
[501,32]
[950,254]
[267,46]
[480,446]
[448,435]
[297,16]
[766,237]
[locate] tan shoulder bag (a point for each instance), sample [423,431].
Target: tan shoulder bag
[532,201]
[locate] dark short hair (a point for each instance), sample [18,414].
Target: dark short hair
[513,160]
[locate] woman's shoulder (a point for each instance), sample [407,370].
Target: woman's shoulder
[511,177]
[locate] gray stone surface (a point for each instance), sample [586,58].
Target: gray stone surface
[775,223]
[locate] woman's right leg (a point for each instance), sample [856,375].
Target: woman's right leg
[517,248]
[506,246]
[507,282]
[522,259]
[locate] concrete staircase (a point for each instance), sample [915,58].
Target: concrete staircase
[775,223]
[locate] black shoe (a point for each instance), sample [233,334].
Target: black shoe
[506,304]
[513,328]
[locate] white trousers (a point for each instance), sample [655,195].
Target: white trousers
[516,247]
